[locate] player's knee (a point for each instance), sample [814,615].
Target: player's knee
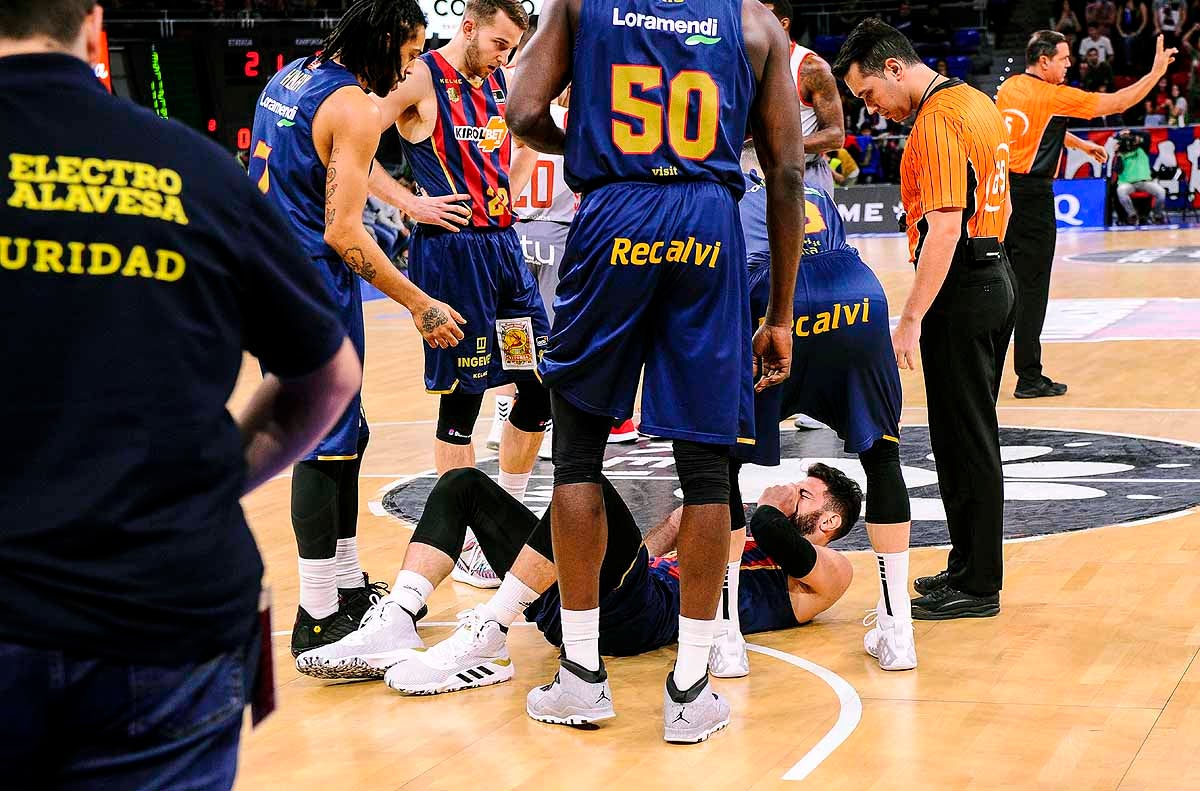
[887,494]
[457,413]
[579,441]
[703,472]
[531,412]
[456,482]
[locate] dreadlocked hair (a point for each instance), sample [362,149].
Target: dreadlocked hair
[369,37]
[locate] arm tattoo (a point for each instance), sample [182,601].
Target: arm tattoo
[357,261]
[433,318]
[330,187]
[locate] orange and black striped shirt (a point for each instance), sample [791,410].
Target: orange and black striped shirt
[956,158]
[1036,113]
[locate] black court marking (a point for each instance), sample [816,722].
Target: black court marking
[1182,254]
[1056,480]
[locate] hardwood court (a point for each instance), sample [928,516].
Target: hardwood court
[1088,679]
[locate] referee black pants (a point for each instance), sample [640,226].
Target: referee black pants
[964,338]
[1032,233]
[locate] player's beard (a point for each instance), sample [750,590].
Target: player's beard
[807,523]
[474,63]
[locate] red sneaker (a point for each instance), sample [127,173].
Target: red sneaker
[626,432]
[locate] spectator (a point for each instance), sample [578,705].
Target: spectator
[1161,96]
[1099,74]
[1168,21]
[1131,24]
[1102,14]
[1153,115]
[845,169]
[932,28]
[1133,175]
[1098,41]
[1177,108]
[903,20]
[1067,22]
[942,68]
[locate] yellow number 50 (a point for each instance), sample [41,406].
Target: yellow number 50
[679,95]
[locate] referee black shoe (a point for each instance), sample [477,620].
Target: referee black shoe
[946,603]
[1043,388]
[926,585]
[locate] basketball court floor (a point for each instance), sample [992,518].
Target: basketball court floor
[1088,679]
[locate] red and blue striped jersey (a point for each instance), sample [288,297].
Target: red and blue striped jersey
[470,148]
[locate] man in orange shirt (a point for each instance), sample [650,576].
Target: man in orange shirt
[1036,106]
[954,186]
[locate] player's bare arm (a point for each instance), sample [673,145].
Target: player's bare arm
[775,120]
[543,73]
[819,89]
[347,146]
[411,107]
[824,585]
[524,160]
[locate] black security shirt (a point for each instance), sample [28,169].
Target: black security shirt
[137,262]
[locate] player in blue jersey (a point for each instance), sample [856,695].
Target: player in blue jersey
[653,277]
[639,581]
[315,135]
[450,113]
[845,376]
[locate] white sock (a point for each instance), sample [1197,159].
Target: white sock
[695,642]
[349,572]
[318,587]
[727,612]
[503,409]
[509,601]
[581,637]
[515,483]
[893,587]
[411,590]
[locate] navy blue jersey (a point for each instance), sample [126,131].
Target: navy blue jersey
[283,158]
[137,263]
[661,91]
[823,227]
[469,149]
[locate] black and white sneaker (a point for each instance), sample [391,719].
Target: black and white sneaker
[309,632]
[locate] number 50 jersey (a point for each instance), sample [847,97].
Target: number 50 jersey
[661,91]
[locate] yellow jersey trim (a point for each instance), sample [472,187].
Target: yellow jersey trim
[351,457]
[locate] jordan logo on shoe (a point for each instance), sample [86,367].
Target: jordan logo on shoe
[603,696]
[680,718]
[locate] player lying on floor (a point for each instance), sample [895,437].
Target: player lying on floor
[788,575]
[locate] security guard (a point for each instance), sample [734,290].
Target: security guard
[953,183]
[1036,106]
[137,263]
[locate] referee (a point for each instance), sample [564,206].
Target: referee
[1036,106]
[137,263]
[955,195]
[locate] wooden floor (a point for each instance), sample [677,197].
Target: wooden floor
[1088,679]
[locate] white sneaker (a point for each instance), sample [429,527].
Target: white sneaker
[546,450]
[692,715]
[728,657]
[894,645]
[503,410]
[475,655]
[386,633]
[472,567]
[806,423]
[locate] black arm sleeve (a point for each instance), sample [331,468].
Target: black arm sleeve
[779,538]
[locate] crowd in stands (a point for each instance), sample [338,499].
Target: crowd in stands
[227,9]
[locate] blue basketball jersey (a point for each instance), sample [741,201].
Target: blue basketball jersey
[469,150]
[823,227]
[661,91]
[283,158]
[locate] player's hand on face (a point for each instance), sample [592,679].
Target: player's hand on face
[444,211]
[905,339]
[785,498]
[438,324]
[773,345]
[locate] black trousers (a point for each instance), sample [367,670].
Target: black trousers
[964,338]
[1032,233]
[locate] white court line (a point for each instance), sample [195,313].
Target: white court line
[850,704]
[1081,409]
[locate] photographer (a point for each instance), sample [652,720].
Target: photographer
[1132,167]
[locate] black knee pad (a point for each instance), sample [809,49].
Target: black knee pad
[579,441]
[457,413]
[737,509]
[887,495]
[531,412]
[703,472]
